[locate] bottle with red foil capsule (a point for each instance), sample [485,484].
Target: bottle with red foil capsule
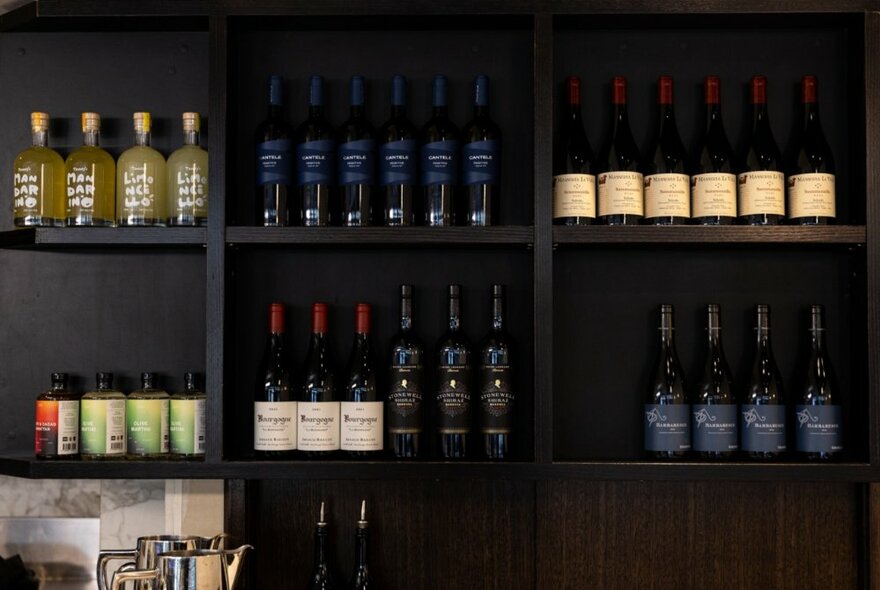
[811,198]
[318,407]
[667,194]
[57,421]
[761,182]
[362,412]
[574,185]
[713,178]
[619,183]
[274,399]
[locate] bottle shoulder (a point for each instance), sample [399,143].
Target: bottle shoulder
[479,129]
[90,154]
[38,154]
[149,394]
[396,129]
[141,153]
[106,394]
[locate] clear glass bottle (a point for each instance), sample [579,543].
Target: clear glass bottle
[188,178]
[140,180]
[91,180]
[38,180]
[102,421]
[187,421]
[146,417]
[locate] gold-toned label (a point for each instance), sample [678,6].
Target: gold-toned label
[667,195]
[761,192]
[574,195]
[713,194]
[621,192]
[811,195]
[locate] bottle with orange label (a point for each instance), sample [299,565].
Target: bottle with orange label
[57,421]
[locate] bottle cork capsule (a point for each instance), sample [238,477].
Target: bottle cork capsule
[191,121]
[142,122]
[40,121]
[91,122]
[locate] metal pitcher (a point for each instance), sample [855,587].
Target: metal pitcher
[200,569]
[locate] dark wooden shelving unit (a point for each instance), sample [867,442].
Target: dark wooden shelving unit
[693,234]
[90,237]
[465,236]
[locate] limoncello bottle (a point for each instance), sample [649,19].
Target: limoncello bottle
[91,179]
[188,177]
[140,180]
[38,180]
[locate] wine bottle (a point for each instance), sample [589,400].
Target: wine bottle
[356,160]
[38,180]
[102,421]
[497,390]
[714,424]
[188,178]
[187,416]
[620,185]
[761,182]
[274,404]
[762,412]
[713,182]
[811,198]
[361,428]
[57,421]
[398,159]
[140,179]
[454,382]
[361,580]
[439,160]
[818,410]
[667,409]
[407,379]
[481,161]
[322,578]
[667,194]
[146,415]
[574,185]
[274,157]
[315,147]
[91,180]
[318,408]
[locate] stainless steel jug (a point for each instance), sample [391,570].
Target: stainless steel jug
[200,569]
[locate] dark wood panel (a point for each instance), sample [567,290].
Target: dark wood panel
[696,535]
[696,234]
[82,237]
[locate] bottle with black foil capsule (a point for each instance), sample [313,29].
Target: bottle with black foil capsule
[713,181]
[398,160]
[274,401]
[356,161]
[761,183]
[454,382]
[322,578]
[439,161]
[811,197]
[57,421]
[360,579]
[574,185]
[619,184]
[714,409]
[362,414]
[762,411]
[481,161]
[318,408]
[497,393]
[274,162]
[667,412]
[407,380]
[315,158]
[667,186]
[819,433]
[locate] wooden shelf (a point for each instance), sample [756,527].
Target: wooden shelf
[703,234]
[414,236]
[84,237]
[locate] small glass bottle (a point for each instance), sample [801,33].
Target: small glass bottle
[91,180]
[102,421]
[38,180]
[146,416]
[57,421]
[140,180]
[188,178]
[187,416]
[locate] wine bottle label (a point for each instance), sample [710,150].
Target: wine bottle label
[318,428]
[357,162]
[405,400]
[190,191]
[496,399]
[762,193]
[57,428]
[454,399]
[667,195]
[620,193]
[314,162]
[187,426]
[481,162]
[147,421]
[818,429]
[80,189]
[574,195]
[274,162]
[275,426]
[361,427]
[26,194]
[811,195]
[762,428]
[667,427]
[102,426]
[140,181]
[440,162]
[713,195]
[398,161]
[714,427]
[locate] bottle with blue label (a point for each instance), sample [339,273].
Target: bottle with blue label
[762,412]
[714,417]
[274,154]
[439,161]
[667,410]
[481,161]
[398,160]
[356,160]
[818,433]
[315,158]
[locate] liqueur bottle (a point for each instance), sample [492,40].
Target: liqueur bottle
[57,421]
[102,421]
[574,185]
[38,180]
[146,415]
[140,180]
[761,183]
[187,416]
[481,161]
[407,384]
[274,162]
[322,578]
[360,579]
[188,178]
[356,161]
[362,411]
[667,411]
[667,186]
[275,406]
[315,155]
[713,182]
[762,411]
[497,388]
[439,160]
[620,185]
[91,180]
[454,383]
[398,159]
[318,408]
[714,423]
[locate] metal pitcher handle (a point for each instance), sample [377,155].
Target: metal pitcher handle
[106,556]
[120,578]
[219,541]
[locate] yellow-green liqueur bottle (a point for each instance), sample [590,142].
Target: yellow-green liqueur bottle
[188,178]
[91,180]
[38,180]
[102,421]
[140,180]
[146,416]
[188,421]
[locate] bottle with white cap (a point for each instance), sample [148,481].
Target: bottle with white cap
[140,180]
[188,177]
[38,180]
[90,173]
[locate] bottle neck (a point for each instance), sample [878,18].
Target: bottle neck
[360,551]
[714,330]
[760,117]
[667,330]
[620,117]
[481,111]
[713,115]
[763,329]
[405,315]
[356,111]
[573,112]
[142,138]
[91,138]
[191,138]
[316,111]
[320,546]
[811,113]
[274,111]
[498,323]
[440,111]
[398,111]
[454,315]
[667,117]
[41,138]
